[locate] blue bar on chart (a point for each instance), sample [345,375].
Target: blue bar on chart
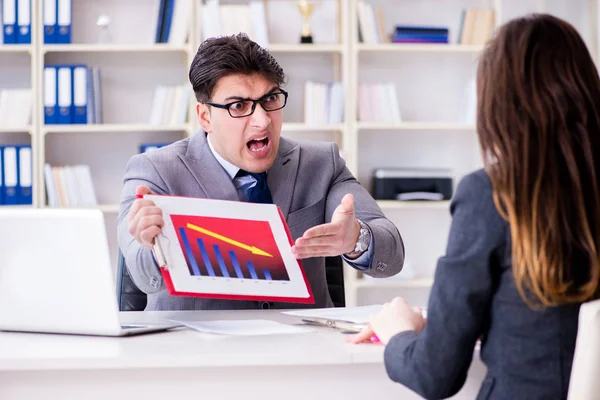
[267,275]
[252,270]
[205,257]
[236,265]
[222,265]
[190,255]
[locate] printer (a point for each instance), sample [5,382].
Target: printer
[412,184]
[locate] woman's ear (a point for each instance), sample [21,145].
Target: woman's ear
[203,113]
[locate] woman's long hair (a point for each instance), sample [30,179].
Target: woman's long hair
[538,122]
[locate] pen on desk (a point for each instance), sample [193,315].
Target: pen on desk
[160,256]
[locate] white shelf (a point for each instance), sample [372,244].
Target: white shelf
[305,48]
[400,205]
[419,48]
[302,127]
[115,48]
[26,129]
[415,126]
[107,128]
[109,208]
[416,283]
[15,48]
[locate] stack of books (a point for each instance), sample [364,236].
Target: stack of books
[69,186]
[323,103]
[228,19]
[378,102]
[476,26]
[170,105]
[420,34]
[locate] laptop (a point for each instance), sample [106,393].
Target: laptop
[56,274]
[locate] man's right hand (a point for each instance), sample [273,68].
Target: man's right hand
[145,219]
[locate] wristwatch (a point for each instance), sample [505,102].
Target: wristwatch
[363,242]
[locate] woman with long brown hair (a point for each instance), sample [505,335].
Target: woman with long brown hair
[524,247]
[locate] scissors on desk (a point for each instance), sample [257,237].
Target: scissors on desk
[339,324]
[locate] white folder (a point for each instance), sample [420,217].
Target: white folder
[64,93]
[10,175]
[50,94]
[80,94]
[24,18]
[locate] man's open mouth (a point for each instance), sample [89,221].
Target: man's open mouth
[258,144]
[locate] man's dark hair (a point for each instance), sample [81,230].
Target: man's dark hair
[237,54]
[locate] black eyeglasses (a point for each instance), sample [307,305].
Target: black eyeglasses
[243,108]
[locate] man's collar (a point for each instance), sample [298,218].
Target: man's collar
[231,169]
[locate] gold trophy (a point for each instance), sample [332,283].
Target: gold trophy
[306,9]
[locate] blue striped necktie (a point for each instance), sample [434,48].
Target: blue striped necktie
[258,193]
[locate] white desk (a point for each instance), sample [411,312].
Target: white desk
[187,364]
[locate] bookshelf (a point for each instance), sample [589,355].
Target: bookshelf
[418,48]
[430,79]
[116,48]
[415,126]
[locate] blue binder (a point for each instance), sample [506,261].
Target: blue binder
[25,184]
[167,19]
[1,175]
[50,21]
[80,99]
[11,174]
[9,21]
[64,21]
[50,95]
[64,88]
[144,147]
[160,21]
[24,21]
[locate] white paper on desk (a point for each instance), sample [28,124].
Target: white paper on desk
[251,327]
[358,315]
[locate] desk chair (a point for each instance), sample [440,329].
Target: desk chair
[130,298]
[584,383]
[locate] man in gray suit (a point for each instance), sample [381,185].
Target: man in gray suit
[243,158]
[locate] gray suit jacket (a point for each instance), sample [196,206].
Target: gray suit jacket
[307,181]
[528,353]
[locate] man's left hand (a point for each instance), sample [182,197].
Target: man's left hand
[332,239]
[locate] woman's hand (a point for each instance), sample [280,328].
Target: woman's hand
[395,317]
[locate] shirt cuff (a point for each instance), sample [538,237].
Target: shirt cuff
[363,262]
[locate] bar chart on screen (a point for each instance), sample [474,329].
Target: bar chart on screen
[221,248]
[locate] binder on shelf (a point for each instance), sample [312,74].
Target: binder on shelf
[64,22]
[24,161]
[9,21]
[50,95]
[79,100]
[145,147]
[11,177]
[160,21]
[50,22]
[167,19]
[24,21]
[97,99]
[1,175]
[65,94]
